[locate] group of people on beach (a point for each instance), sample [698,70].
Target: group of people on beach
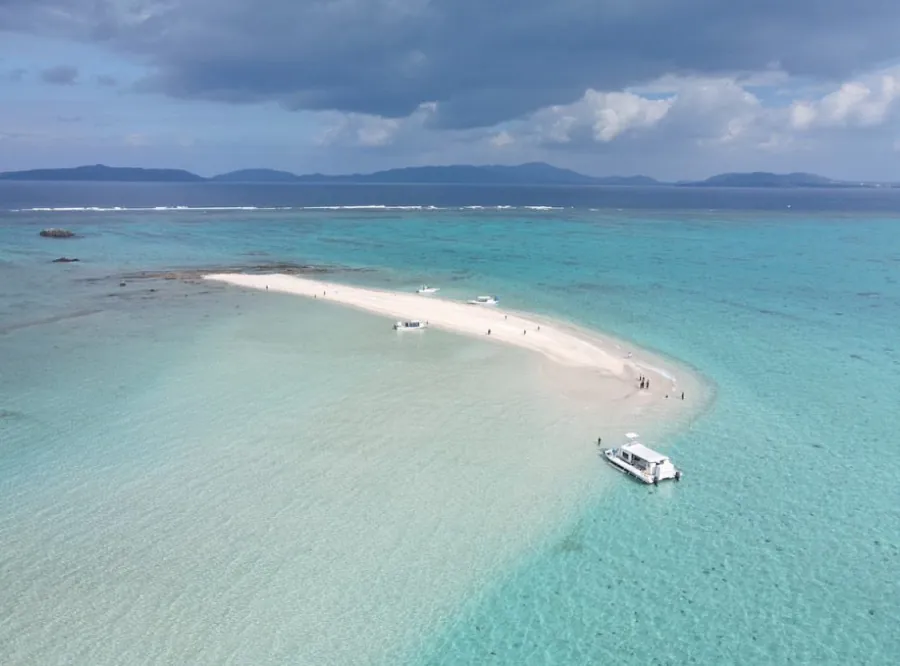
[644,383]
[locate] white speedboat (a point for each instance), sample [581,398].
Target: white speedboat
[410,325]
[644,464]
[425,289]
[484,300]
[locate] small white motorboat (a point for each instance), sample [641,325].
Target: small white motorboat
[425,289]
[642,463]
[484,300]
[410,325]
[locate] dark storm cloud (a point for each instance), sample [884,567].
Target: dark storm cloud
[61,75]
[483,61]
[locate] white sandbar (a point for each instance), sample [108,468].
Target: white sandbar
[555,341]
[599,371]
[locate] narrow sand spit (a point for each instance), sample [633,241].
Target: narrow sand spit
[554,341]
[565,345]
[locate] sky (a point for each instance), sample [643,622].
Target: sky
[675,89]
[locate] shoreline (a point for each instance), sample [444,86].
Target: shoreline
[589,365]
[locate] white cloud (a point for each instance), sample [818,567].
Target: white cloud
[502,139]
[717,112]
[865,103]
[710,112]
[606,116]
[803,115]
[683,109]
[672,83]
[616,113]
[687,125]
[358,130]
[377,132]
[368,131]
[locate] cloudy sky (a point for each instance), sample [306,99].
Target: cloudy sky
[668,88]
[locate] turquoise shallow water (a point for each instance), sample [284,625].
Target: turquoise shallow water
[782,546]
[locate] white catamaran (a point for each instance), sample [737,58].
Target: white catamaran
[644,464]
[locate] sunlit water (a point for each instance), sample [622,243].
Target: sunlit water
[201,475]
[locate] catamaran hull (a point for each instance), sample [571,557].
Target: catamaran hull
[634,472]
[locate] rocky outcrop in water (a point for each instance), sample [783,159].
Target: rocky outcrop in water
[65,260]
[57,233]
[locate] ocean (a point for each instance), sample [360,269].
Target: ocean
[195,474]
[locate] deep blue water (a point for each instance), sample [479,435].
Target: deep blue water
[53,195]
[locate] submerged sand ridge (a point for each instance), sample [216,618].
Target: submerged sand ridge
[554,341]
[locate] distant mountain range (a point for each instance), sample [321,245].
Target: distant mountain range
[102,173]
[766,179]
[255,176]
[534,173]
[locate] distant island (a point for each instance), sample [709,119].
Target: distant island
[256,176]
[534,173]
[766,179]
[101,173]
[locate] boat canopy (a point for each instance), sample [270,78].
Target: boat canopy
[642,452]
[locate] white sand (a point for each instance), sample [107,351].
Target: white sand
[556,341]
[597,370]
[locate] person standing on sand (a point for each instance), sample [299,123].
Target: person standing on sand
[489,331]
[682,395]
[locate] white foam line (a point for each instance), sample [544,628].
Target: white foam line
[368,207]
